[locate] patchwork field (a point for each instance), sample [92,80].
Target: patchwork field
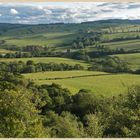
[60,37]
[99,83]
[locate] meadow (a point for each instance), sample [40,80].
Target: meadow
[4,51]
[126,45]
[99,83]
[133,60]
[119,35]
[57,60]
[45,39]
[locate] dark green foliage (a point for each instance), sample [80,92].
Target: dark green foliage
[122,118]
[27,110]
[85,103]
[59,98]
[65,125]
[31,67]
[18,114]
[110,64]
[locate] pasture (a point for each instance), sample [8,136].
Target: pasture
[119,35]
[99,83]
[56,39]
[57,60]
[4,51]
[126,45]
[133,60]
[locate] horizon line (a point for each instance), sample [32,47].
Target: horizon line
[70,22]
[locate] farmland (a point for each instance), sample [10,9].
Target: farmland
[99,83]
[127,45]
[3,51]
[59,39]
[57,60]
[49,39]
[133,60]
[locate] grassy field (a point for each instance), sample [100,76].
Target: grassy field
[61,74]
[3,51]
[57,60]
[133,60]
[126,45]
[120,35]
[47,39]
[99,83]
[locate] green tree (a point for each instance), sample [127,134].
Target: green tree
[94,128]
[19,116]
[64,126]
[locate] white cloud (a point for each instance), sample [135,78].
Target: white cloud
[13,11]
[39,7]
[71,12]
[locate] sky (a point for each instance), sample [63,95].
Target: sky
[67,12]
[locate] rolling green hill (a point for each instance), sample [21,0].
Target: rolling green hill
[57,60]
[126,45]
[60,37]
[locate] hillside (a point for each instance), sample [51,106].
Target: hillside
[110,46]
[70,80]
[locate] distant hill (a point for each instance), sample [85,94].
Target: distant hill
[114,21]
[7,29]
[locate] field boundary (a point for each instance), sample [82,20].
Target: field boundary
[71,77]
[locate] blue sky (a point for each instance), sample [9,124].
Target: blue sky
[68,12]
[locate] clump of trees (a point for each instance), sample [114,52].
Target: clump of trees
[30,51]
[110,64]
[80,55]
[29,110]
[31,67]
[88,39]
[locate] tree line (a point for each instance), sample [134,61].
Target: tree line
[31,67]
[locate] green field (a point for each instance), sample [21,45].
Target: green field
[133,60]
[46,39]
[57,60]
[119,35]
[126,45]
[100,83]
[3,51]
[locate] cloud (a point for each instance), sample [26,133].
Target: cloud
[39,7]
[133,6]
[36,13]
[13,11]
